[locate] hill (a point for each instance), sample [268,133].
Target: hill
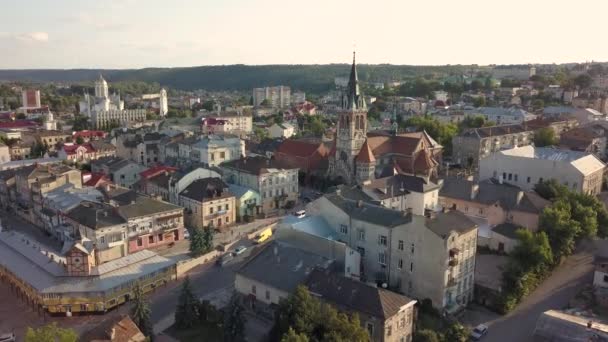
[310,78]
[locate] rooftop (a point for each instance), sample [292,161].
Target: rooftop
[95,215]
[367,212]
[145,206]
[314,225]
[355,295]
[254,165]
[290,266]
[585,162]
[205,189]
[453,221]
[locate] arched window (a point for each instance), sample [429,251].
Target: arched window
[357,122]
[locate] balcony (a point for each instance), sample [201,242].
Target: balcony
[452,281]
[453,262]
[454,252]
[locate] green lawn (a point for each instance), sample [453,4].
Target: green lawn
[202,332]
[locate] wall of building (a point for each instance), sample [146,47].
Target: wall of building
[600,279]
[264,293]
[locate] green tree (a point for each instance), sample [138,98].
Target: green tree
[550,189]
[561,229]
[443,133]
[545,137]
[457,333]
[207,239]
[186,313]
[533,250]
[50,333]
[208,105]
[198,245]
[538,104]
[316,126]
[79,140]
[234,321]
[293,336]
[426,335]
[583,81]
[140,312]
[479,101]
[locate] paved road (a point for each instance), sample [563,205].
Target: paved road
[554,293]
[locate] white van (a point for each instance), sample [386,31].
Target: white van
[300,213]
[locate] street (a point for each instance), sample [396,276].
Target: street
[554,293]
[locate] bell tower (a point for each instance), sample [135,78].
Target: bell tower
[352,127]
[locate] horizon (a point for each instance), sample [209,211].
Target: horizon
[137,34]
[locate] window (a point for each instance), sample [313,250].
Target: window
[361,235]
[382,258]
[409,317]
[343,229]
[222,155]
[382,240]
[412,248]
[528,180]
[411,267]
[515,177]
[227,206]
[605,278]
[400,266]
[212,156]
[219,208]
[267,294]
[140,242]
[151,239]
[504,175]
[103,239]
[210,210]
[389,330]
[160,237]
[540,180]
[400,247]
[370,328]
[361,251]
[510,176]
[402,322]
[253,290]
[227,219]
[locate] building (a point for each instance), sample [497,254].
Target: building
[20,150]
[236,122]
[163,103]
[247,201]
[358,156]
[30,98]
[597,104]
[422,257]
[513,72]
[51,139]
[87,135]
[142,148]
[591,138]
[283,130]
[106,110]
[386,315]
[277,97]
[75,281]
[31,181]
[5,154]
[306,155]
[290,267]
[122,172]
[559,326]
[557,124]
[470,146]
[85,153]
[166,183]
[208,203]
[526,166]
[277,185]
[502,116]
[119,329]
[213,150]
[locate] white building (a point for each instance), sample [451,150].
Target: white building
[278,97]
[528,165]
[213,150]
[502,116]
[283,130]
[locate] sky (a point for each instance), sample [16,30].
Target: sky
[63,34]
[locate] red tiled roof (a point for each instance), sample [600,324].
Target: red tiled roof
[96,179]
[89,134]
[298,148]
[365,154]
[151,172]
[71,148]
[424,162]
[18,124]
[213,121]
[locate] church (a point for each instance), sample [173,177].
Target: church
[358,155]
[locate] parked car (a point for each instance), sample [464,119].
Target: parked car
[240,250]
[479,332]
[8,337]
[224,259]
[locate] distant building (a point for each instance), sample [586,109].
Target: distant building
[86,152]
[526,166]
[213,150]
[208,203]
[514,72]
[120,171]
[298,97]
[282,130]
[277,97]
[87,135]
[231,122]
[502,116]
[30,98]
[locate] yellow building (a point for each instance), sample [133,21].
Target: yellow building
[72,282]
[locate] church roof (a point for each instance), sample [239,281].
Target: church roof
[354,97]
[365,154]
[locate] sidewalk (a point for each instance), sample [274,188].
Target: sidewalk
[240,231]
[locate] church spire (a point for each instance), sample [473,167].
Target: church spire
[353,99]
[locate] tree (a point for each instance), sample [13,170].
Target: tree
[50,333]
[234,321]
[265,103]
[550,189]
[533,251]
[443,133]
[293,336]
[457,333]
[140,312]
[583,81]
[207,239]
[208,105]
[561,229]
[316,126]
[538,104]
[545,137]
[479,101]
[79,140]
[426,335]
[198,246]
[186,313]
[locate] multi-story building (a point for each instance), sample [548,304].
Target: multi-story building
[237,122]
[213,150]
[597,103]
[121,172]
[527,166]
[502,116]
[31,181]
[5,154]
[282,130]
[51,138]
[142,148]
[420,256]
[277,97]
[277,185]
[20,150]
[208,203]
[87,135]
[472,145]
[515,72]
[30,98]
[591,138]
[86,152]
[386,315]
[247,201]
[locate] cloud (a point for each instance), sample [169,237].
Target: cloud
[96,22]
[41,37]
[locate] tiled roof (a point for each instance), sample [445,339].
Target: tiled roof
[117,329]
[367,212]
[95,215]
[365,154]
[485,132]
[206,189]
[89,134]
[145,206]
[253,165]
[300,148]
[355,295]
[453,221]
[153,171]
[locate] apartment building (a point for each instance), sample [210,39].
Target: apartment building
[213,150]
[228,122]
[120,171]
[277,186]
[526,166]
[208,203]
[51,138]
[277,97]
[422,257]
